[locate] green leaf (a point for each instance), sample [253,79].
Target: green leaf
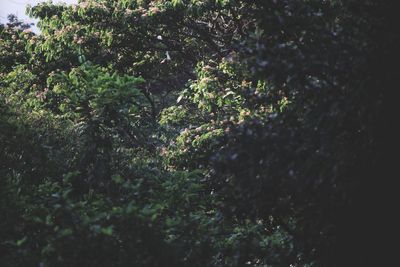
[21,241]
[179,99]
[107,230]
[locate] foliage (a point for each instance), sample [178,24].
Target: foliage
[192,133]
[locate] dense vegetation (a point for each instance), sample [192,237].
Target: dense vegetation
[193,132]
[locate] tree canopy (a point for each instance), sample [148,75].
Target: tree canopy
[193,132]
